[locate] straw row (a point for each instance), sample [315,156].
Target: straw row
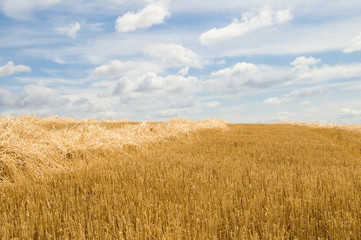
[32,146]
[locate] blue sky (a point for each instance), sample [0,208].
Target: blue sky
[242,61]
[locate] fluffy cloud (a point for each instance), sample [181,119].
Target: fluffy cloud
[328,72]
[70,30]
[10,69]
[213,104]
[151,82]
[348,115]
[34,96]
[356,45]
[273,101]
[348,112]
[174,55]
[154,13]
[183,71]
[21,8]
[90,106]
[284,116]
[170,113]
[45,102]
[303,61]
[151,85]
[266,17]
[237,69]
[7,98]
[118,68]
[115,68]
[243,76]
[153,96]
[33,99]
[304,92]
[305,103]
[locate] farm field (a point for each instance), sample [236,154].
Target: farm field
[178,180]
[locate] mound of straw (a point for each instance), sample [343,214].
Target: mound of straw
[32,146]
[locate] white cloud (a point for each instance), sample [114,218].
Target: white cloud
[151,82]
[7,98]
[284,116]
[153,95]
[10,69]
[304,92]
[99,49]
[348,112]
[154,13]
[174,55]
[115,68]
[90,106]
[273,101]
[305,61]
[296,38]
[183,71]
[250,22]
[170,113]
[41,101]
[118,68]
[329,72]
[70,30]
[151,85]
[213,104]
[305,103]
[356,45]
[237,69]
[244,76]
[38,96]
[21,8]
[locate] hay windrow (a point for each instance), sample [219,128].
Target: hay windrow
[32,146]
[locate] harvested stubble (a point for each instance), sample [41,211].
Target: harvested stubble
[251,182]
[31,147]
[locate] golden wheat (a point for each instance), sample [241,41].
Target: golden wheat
[351,127]
[251,182]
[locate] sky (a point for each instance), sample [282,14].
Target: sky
[242,61]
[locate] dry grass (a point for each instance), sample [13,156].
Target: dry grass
[276,181]
[351,127]
[31,147]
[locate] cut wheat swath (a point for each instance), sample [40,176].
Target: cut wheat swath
[32,146]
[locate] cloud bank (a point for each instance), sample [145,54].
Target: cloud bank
[303,70]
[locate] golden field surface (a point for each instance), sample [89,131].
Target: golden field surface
[67,179]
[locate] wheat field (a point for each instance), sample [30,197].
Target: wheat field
[68,179]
